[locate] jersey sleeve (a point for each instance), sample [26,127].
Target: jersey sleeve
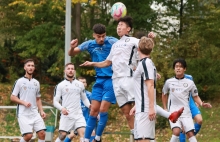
[84,98]
[194,90]
[38,91]
[57,96]
[110,56]
[16,88]
[148,70]
[112,40]
[165,88]
[84,46]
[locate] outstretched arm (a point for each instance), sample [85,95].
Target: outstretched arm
[97,64]
[201,103]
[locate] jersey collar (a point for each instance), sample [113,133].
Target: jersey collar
[179,78]
[69,80]
[27,78]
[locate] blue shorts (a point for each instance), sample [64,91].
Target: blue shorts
[102,90]
[193,108]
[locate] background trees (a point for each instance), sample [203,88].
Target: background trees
[35,29]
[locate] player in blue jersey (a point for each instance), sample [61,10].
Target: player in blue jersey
[196,114]
[102,92]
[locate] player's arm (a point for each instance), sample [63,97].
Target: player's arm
[165,96]
[201,103]
[40,108]
[18,101]
[97,64]
[85,100]
[74,50]
[150,87]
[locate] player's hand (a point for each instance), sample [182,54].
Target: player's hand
[27,104]
[158,76]
[206,105]
[86,63]
[132,111]
[151,35]
[152,114]
[74,43]
[64,111]
[43,114]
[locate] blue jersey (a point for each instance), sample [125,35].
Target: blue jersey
[85,110]
[99,53]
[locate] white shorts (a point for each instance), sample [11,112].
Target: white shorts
[68,123]
[143,127]
[30,123]
[184,122]
[124,90]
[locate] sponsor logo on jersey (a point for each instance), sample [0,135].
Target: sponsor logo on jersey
[25,87]
[35,84]
[127,39]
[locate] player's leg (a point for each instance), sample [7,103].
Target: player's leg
[39,128]
[26,126]
[191,136]
[108,98]
[70,136]
[80,132]
[130,119]
[188,126]
[176,129]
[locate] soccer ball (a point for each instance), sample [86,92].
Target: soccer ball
[118,10]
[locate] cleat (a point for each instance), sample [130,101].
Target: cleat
[175,115]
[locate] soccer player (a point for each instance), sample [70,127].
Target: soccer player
[124,59]
[179,89]
[102,92]
[26,93]
[196,114]
[70,91]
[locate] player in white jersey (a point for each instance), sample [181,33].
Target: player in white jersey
[26,93]
[70,91]
[179,89]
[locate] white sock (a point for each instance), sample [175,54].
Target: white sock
[132,131]
[192,139]
[162,112]
[86,140]
[81,139]
[22,140]
[174,138]
[97,138]
[58,140]
[41,140]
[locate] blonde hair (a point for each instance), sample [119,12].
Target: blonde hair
[146,45]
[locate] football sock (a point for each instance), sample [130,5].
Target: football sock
[58,140]
[192,139]
[92,138]
[162,112]
[67,139]
[90,126]
[102,123]
[86,140]
[182,137]
[97,138]
[41,140]
[174,138]
[81,139]
[197,128]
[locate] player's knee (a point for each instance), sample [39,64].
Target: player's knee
[41,134]
[94,112]
[27,137]
[62,135]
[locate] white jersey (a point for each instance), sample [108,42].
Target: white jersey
[145,71]
[70,94]
[179,91]
[27,90]
[124,56]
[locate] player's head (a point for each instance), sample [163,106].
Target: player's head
[145,45]
[29,66]
[124,26]
[140,34]
[99,33]
[69,70]
[83,80]
[179,66]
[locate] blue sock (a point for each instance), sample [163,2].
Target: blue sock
[67,139]
[197,128]
[102,123]
[91,122]
[182,137]
[92,138]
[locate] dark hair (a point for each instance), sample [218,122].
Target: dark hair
[127,20]
[69,64]
[99,28]
[28,60]
[181,61]
[140,34]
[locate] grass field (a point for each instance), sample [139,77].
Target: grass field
[116,123]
